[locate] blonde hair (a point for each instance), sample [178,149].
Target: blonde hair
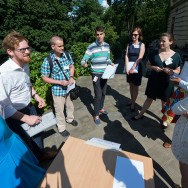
[54,39]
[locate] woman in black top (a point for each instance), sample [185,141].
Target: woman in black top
[162,63]
[134,54]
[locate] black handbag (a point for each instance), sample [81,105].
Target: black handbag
[74,93]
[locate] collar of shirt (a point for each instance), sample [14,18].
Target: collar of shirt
[10,65]
[54,57]
[13,65]
[98,44]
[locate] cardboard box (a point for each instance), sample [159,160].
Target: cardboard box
[80,165]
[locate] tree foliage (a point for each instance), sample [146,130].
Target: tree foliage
[152,17]
[75,22]
[87,15]
[38,20]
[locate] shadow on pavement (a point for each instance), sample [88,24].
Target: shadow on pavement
[86,98]
[147,127]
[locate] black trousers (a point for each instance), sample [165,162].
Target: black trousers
[100,91]
[14,125]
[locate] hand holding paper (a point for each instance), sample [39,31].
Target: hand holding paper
[130,64]
[70,87]
[109,71]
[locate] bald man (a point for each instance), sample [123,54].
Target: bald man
[62,65]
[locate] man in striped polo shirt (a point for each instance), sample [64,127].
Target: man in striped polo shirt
[99,54]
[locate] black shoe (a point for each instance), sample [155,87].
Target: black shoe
[164,126]
[73,123]
[48,155]
[134,118]
[129,104]
[65,133]
[132,109]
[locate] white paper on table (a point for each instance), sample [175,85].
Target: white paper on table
[70,87]
[130,64]
[128,173]
[110,71]
[103,143]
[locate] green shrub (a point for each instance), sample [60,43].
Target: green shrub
[42,88]
[77,53]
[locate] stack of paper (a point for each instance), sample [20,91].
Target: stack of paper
[103,143]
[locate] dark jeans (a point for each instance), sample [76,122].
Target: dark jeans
[14,125]
[100,91]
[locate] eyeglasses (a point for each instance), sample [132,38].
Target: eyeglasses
[23,50]
[135,35]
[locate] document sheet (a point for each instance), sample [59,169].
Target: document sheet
[128,173]
[110,71]
[130,64]
[70,87]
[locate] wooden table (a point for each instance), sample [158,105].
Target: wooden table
[80,165]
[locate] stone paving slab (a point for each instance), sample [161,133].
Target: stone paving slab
[144,137]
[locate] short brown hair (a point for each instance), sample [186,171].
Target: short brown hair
[100,29]
[139,30]
[12,40]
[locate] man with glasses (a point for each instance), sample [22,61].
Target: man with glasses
[99,54]
[16,90]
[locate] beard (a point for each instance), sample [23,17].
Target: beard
[24,59]
[27,59]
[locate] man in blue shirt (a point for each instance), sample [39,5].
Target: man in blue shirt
[60,77]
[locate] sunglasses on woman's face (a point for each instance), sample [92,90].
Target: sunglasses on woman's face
[135,35]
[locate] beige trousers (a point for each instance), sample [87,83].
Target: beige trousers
[59,104]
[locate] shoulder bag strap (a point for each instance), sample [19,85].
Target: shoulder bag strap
[62,70]
[50,64]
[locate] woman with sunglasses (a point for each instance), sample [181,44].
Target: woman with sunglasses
[162,62]
[134,54]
